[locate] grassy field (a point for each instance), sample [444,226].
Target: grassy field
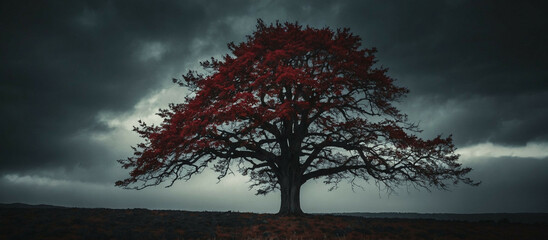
[45,222]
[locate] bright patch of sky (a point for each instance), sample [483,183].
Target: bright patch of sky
[152,51]
[145,109]
[530,150]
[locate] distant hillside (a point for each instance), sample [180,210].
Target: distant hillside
[22,205]
[477,217]
[495,217]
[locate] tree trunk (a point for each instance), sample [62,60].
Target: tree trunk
[290,187]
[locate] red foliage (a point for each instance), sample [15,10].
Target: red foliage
[284,104]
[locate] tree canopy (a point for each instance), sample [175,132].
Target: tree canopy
[290,104]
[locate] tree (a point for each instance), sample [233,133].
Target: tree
[288,105]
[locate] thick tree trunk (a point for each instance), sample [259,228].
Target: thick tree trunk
[290,187]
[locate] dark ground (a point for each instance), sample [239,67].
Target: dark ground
[19,221]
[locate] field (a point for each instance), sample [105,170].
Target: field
[46,222]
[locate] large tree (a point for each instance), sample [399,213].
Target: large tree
[291,104]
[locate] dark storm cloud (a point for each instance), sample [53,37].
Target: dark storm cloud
[489,51]
[62,62]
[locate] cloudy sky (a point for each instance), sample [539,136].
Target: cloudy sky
[75,76]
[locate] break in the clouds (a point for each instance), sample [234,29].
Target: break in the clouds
[75,76]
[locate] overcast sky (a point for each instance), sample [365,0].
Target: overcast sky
[75,76]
